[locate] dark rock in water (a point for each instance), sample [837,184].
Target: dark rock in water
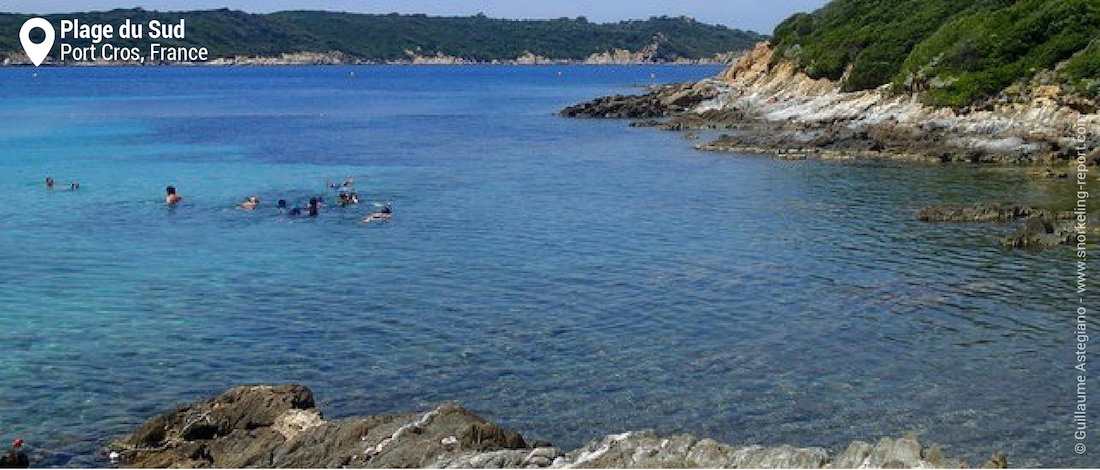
[1042,232]
[1043,228]
[666,100]
[981,212]
[646,123]
[279,426]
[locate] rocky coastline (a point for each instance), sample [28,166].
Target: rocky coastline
[280,426]
[764,105]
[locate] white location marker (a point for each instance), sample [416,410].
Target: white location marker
[37,52]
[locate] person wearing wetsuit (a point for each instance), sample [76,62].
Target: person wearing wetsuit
[16,457]
[314,209]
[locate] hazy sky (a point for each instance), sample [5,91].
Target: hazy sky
[758,15]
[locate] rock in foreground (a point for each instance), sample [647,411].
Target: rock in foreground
[280,426]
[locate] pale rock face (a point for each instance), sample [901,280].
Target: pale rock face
[280,427]
[776,91]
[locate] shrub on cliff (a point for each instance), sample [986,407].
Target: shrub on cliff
[958,51]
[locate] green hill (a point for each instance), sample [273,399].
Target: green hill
[957,51]
[227,33]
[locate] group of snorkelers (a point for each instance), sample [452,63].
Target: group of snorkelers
[51,184]
[345,196]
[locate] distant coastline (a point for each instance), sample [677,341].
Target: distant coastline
[620,57]
[323,37]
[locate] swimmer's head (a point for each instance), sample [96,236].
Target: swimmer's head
[170,190]
[282,202]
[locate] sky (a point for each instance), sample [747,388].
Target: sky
[756,15]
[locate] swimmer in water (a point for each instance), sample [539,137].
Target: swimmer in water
[251,203]
[74,186]
[281,204]
[347,198]
[383,213]
[49,182]
[16,457]
[172,198]
[314,207]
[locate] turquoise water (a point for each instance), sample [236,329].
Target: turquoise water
[566,278]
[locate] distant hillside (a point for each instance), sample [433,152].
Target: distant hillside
[227,33]
[956,51]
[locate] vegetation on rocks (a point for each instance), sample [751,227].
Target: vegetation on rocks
[957,51]
[227,33]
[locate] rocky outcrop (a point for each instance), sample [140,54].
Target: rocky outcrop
[658,101]
[1042,228]
[777,109]
[979,212]
[280,426]
[1049,232]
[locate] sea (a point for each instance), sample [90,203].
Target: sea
[566,278]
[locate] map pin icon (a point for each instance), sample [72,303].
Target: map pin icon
[37,52]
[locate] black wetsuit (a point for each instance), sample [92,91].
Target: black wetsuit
[15,458]
[313,211]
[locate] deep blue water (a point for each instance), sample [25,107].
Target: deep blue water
[567,278]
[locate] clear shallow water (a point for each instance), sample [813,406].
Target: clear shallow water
[567,278]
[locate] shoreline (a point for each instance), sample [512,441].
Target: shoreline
[770,108]
[764,106]
[335,58]
[280,426]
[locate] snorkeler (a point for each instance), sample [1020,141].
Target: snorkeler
[383,213]
[251,203]
[314,208]
[49,182]
[16,457]
[74,186]
[347,198]
[281,204]
[172,198]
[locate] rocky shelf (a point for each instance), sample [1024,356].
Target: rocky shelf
[280,426]
[769,107]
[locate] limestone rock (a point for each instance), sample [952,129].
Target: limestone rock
[280,427]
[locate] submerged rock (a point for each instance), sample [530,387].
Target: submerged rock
[280,426]
[1042,228]
[1043,232]
[980,212]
